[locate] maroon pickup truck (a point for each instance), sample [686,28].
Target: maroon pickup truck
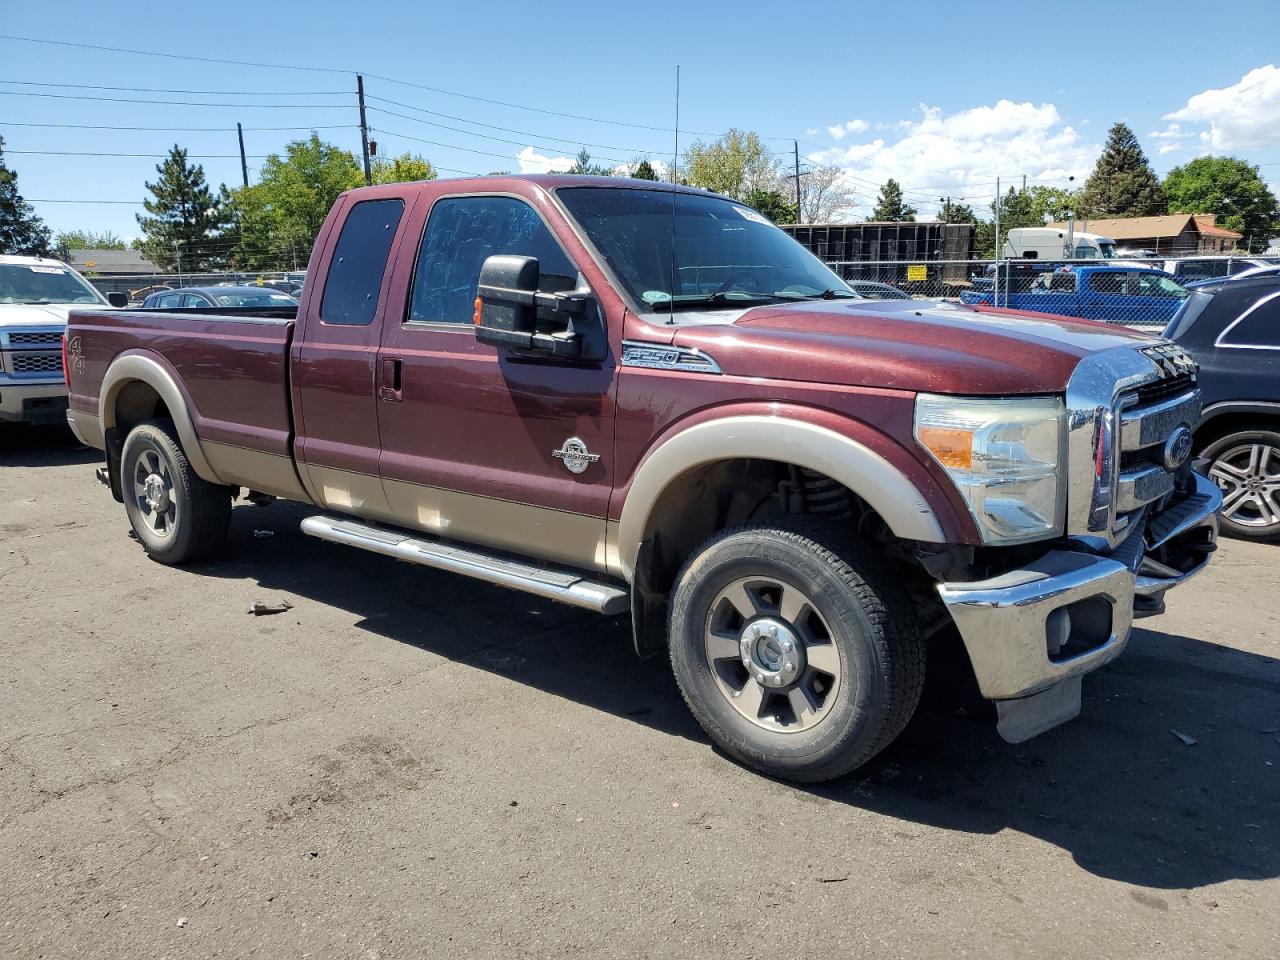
[641,398]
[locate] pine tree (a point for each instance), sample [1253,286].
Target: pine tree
[890,205]
[952,211]
[1122,183]
[644,171]
[21,231]
[188,225]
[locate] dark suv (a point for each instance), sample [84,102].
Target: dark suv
[1232,328]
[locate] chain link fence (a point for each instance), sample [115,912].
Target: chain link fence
[1134,293]
[138,286]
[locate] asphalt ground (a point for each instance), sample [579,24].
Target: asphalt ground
[412,764]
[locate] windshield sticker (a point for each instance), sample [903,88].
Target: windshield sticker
[748,214]
[46,269]
[656,296]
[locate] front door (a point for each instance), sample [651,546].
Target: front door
[481,444]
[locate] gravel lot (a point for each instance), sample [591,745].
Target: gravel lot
[410,764]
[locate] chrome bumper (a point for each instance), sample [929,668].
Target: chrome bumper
[1032,633]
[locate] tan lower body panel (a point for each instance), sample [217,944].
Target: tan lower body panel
[87,427]
[254,469]
[555,535]
[354,493]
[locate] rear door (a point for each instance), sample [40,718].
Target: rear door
[336,417]
[475,437]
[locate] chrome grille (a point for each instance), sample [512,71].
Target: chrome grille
[35,339]
[37,362]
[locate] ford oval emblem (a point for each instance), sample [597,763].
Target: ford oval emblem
[1177,448]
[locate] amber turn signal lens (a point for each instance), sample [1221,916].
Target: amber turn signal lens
[952,448]
[475,317]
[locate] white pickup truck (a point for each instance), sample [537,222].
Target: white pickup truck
[36,293]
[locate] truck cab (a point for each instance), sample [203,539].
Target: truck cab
[1051,243]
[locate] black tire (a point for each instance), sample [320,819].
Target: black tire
[880,652]
[196,514]
[1242,516]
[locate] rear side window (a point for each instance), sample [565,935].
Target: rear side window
[359,262]
[1107,283]
[461,233]
[1260,327]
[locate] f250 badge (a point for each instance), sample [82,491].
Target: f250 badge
[575,455]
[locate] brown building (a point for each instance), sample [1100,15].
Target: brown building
[1177,233]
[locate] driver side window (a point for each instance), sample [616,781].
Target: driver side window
[462,232]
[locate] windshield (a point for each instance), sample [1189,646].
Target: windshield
[265,299]
[43,283]
[1108,249]
[724,254]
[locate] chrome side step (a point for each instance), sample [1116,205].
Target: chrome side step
[553,584]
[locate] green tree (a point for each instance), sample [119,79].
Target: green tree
[188,225]
[1230,188]
[1122,183]
[773,205]
[280,215]
[890,206]
[88,240]
[1050,203]
[405,168]
[21,231]
[644,171]
[583,165]
[735,165]
[952,211]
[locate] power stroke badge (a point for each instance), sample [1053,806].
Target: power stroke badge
[575,455]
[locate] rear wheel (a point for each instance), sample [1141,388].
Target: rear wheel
[1246,467]
[792,653]
[177,516]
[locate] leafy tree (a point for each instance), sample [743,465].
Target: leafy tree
[952,211]
[584,165]
[88,240]
[405,168]
[21,231]
[1230,188]
[773,205]
[1050,203]
[280,215]
[187,223]
[825,194]
[735,165]
[890,206]
[644,171]
[1122,183]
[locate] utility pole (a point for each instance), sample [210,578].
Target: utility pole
[995,281]
[177,249]
[799,216]
[244,164]
[364,129]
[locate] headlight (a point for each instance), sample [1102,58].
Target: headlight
[1004,456]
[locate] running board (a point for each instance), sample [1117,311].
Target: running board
[497,569]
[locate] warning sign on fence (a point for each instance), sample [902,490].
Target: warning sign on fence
[917,271]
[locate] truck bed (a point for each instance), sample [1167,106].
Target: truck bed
[231,366]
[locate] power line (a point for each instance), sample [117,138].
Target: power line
[219,93]
[140,156]
[178,103]
[518,143]
[450,146]
[101,126]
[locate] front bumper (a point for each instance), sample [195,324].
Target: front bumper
[39,402]
[1032,633]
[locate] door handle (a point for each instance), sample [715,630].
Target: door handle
[390,386]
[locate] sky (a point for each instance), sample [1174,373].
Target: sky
[944,97]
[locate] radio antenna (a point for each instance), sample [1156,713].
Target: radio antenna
[675,182]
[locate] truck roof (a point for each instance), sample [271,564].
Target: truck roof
[16,260]
[550,181]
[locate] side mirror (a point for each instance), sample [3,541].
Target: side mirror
[118,299]
[512,312]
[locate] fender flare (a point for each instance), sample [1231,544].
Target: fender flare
[865,472]
[1267,408]
[142,369]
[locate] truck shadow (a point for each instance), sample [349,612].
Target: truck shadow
[43,446]
[1116,789]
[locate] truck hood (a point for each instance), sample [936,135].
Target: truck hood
[916,345]
[40,314]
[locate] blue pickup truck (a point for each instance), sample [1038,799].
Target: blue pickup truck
[1133,296]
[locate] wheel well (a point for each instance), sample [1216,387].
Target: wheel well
[135,403]
[723,494]
[1218,427]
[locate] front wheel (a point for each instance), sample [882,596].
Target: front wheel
[176,515]
[1246,467]
[792,652]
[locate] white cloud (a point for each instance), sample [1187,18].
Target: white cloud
[961,154]
[1168,148]
[1243,115]
[841,130]
[533,162]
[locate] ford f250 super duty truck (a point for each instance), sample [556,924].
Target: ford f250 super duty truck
[637,397]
